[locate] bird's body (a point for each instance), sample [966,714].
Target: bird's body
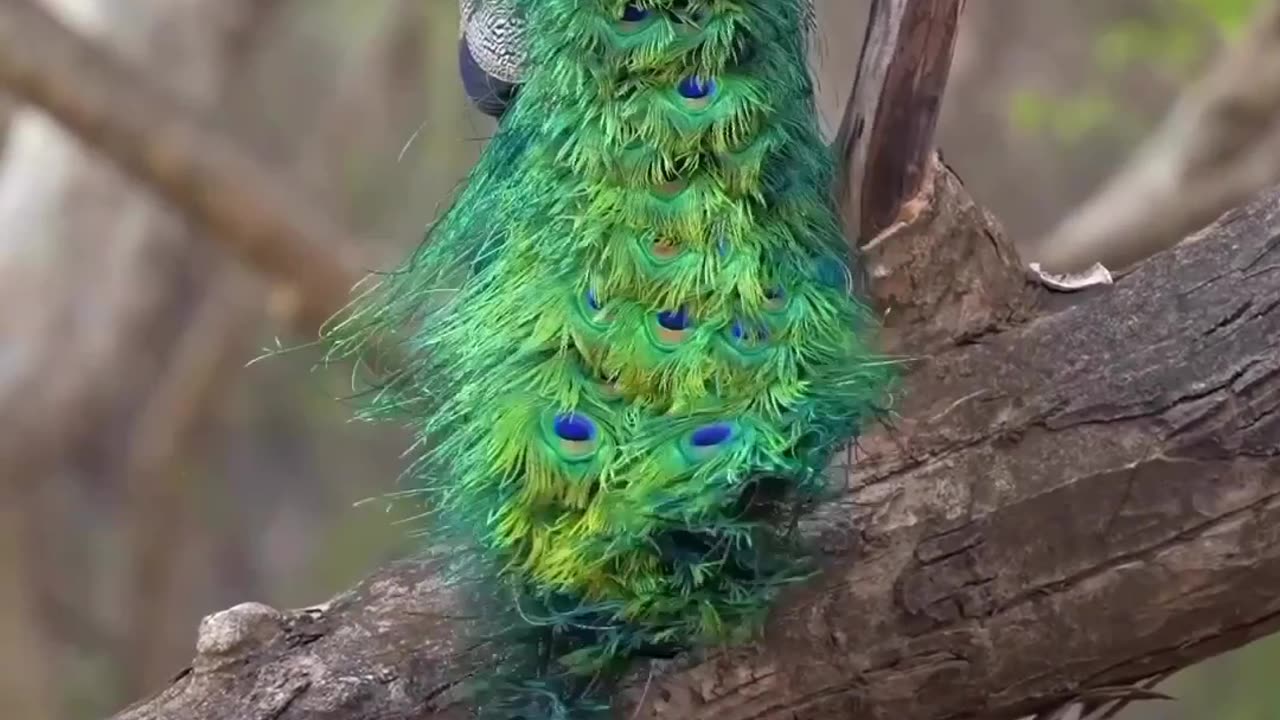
[634,345]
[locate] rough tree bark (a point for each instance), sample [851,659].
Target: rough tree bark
[1069,502]
[905,212]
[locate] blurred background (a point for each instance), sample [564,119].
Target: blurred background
[150,473]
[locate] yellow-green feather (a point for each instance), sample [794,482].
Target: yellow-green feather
[605,199]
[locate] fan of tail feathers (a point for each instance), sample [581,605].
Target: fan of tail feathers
[630,346]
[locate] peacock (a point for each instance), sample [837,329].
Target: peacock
[630,345]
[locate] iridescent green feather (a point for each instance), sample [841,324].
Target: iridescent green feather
[631,344]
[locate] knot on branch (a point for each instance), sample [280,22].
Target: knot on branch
[235,632]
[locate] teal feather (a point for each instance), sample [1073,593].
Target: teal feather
[631,344]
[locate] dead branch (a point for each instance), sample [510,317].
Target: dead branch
[169,147]
[907,214]
[1219,146]
[1073,505]
[885,139]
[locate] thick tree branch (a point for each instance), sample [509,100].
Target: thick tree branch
[168,146]
[1079,503]
[1219,146]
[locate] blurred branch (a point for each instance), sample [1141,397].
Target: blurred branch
[29,690]
[250,26]
[159,519]
[168,146]
[381,73]
[72,621]
[1219,145]
[130,380]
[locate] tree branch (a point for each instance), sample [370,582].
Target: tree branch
[885,139]
[1219,146]
[906,214]
[167,146]
[1109,509]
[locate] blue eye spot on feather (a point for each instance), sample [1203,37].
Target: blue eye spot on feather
[576,435]
[697,92]
[695,88]
[711,435]
[748,336]
[634,13]
[593,310]
[674,319]
[634,18]
[574,427]
[665,250]
[673,326]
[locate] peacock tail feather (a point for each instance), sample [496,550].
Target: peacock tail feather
[630,346]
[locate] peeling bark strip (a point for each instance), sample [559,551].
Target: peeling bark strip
[907,216]
[1078,503]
